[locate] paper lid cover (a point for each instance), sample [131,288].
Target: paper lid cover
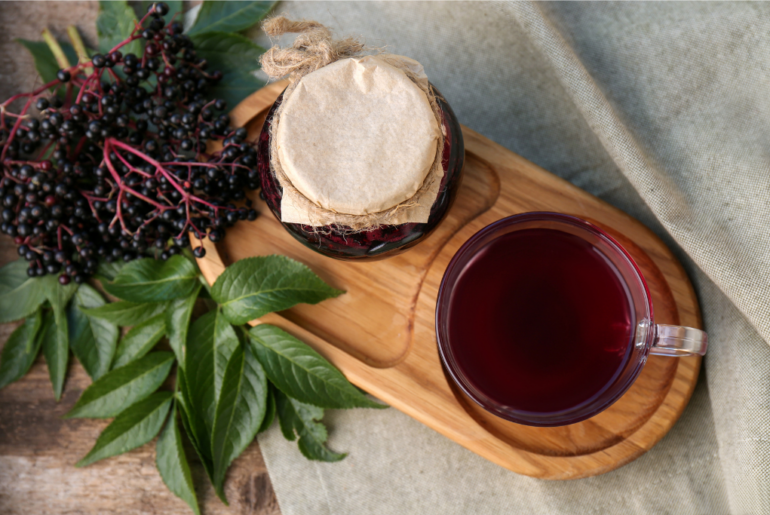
[357,136]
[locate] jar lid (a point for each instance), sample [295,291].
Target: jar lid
[357,136]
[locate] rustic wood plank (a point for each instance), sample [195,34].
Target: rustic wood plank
[38,449]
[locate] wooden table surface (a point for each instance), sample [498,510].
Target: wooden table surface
[38,449]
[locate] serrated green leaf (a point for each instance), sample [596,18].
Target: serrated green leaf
[45,62]
[126,313]
[140,340]
[236,57]
[183,396]
[302,373]
[227,52]
[151,280]
[58,295]
[115,23]
[229,16]
[303,420]
[122,387]
[194,426]
[172,464]
[92,340]
[178,323]
[20,350]
[56,344]
[56,350]
[109,271]
[210,344]
[269,410]
[234,87]
[240,411]
[20,295]
[135,426]
[255,286]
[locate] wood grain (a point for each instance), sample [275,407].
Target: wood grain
[381,332]
[38,449]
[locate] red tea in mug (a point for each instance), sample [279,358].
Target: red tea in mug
[544,319]
[540,321]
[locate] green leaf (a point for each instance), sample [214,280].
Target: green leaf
[45,62]
[304,420]
[122,387]
[151,280]
[109,271]
[234,87]
[127,313]
[255,286]
[178,323]
[228,16]
[228,52]
[172,464]
[56,347]
[302,373]
[56,351]
[20,295]
[136,426]
[92,340]
[183,396]
[269,411]
[115,23]
[240,411]
[140,340]
[194,426]
[57,294]
[236,57]
[210,344]
[20,350]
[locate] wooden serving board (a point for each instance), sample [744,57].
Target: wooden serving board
[381,332]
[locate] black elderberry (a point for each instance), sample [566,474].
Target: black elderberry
[156,25]
[216,235]
[98,61]
[63,75]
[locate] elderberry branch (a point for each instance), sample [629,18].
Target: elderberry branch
[118,164]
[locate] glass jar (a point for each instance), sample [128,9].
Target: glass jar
[387,240]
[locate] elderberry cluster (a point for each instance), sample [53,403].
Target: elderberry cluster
[116,164]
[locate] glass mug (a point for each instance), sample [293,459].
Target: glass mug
[544,319]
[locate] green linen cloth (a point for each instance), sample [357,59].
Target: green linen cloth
[661,109]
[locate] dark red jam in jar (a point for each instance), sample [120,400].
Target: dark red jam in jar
[387,240]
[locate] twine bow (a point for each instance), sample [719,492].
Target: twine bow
[314,48]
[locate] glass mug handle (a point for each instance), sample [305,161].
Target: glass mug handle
[676,340]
